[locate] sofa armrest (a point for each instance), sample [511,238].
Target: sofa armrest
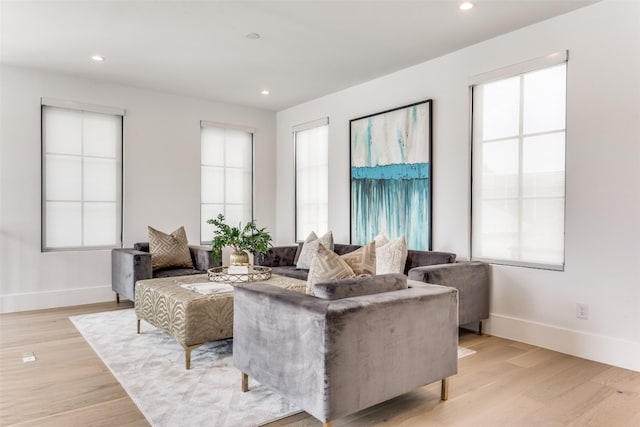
[422,258]
[277,256]
[202,258]
[471,278]
[127,267]
[333,358]
[276,334]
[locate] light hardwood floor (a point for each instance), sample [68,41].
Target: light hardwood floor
[505,383]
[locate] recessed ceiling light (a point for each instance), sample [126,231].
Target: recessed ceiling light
[97,58]
[466,5]
[252,36]
[265,92]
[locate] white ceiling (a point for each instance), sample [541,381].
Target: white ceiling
[198,48]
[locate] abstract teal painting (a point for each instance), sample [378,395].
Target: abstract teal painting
[391,175]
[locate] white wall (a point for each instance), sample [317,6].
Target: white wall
[603,176]
[161,181]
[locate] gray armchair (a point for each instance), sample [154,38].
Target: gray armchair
[129,265]
[335,357]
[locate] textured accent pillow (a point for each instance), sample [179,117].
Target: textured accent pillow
[381,239]
[392,257]
[346,288]
[310,238]
[169,250]
[327,265]
[311,246]
[363,260]
[298,250]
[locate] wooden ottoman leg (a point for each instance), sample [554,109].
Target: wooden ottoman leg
[187,354]
[138,326]
[187,357]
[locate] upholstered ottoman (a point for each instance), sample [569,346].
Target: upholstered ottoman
[190,317]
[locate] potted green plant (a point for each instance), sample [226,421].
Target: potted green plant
[245,239]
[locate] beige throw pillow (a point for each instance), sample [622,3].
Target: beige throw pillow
[169,250]
[363,260]
[311,246]
[392,257]
[327,265]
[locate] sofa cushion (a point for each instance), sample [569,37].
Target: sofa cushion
[290,271]
[341,248]
[362,260]
[310,247]
[327,265]
[338,289]
[391,257]
[169,250]
[173,272]
[276,257]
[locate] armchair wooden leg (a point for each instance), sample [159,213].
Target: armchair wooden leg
[444,389]
[245,383]
[117,298]
[480,327]
[327,424]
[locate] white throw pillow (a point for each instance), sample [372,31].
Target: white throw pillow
[392,257]
[311,246]
[381,239]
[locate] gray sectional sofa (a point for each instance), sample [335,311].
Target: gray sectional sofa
[470,278]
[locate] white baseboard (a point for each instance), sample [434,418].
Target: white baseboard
[57,298]
[599,348]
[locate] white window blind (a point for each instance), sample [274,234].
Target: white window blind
[518,188]
[312,178]
[81,178]
[226,177]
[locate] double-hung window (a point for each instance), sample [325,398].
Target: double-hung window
[312,177]
[518,164]
[81,176]
[226,173]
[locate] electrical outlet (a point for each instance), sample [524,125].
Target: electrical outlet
[28,356]
[582,311]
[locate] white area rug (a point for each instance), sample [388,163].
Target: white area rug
[150,367]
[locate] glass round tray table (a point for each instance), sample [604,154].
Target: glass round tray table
[235,274]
